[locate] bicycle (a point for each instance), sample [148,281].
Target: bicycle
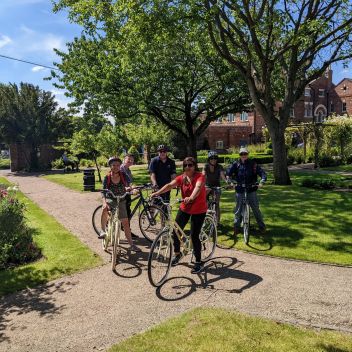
[113,230]
[245,210]
[151,217]
[213,200]
[160,255]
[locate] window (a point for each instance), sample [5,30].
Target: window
[230,117]
[218,120]
[332,107]
[307,92]
[321,93]
[244,116]
[319,117]
[292,112]
[219,145]
[344,106]
[308,109]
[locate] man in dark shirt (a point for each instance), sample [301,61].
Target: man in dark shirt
[246,171]
[162,170]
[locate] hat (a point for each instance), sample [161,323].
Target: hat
[243,150]
[162,147]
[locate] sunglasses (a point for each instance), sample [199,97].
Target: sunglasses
[188,165]
[162,151]
[213,158]
[242,154]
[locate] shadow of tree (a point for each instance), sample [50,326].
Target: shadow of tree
[39,299]
[331,348]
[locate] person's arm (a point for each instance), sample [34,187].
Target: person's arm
[196,191]
[152,172]
[262,174]
[153,179]
[105,186]
[165,188]
[173,170]
[223,176]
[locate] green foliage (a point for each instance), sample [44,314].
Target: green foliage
[230,158]
[4,164]
[86,163]
[57,164]
[327,160]
[109,141]
[16,238]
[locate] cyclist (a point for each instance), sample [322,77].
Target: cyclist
[128,161]
[246,171]
[214,173]
[194,207]
[162,170]
[116,183]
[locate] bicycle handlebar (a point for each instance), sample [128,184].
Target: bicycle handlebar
[112,195]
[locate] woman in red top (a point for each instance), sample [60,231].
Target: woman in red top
[194,207]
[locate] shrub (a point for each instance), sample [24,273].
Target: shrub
[4,164]
[327,160]
[202,152]
[16,238]
[102,161]
[86,163]
[349,159]
[57,164]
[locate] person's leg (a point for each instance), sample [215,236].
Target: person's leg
[166,199]
[126,225]
[103,222]
[196,226]
[254,203]
[238,211]
[129,212]
[217,199]
[181,219]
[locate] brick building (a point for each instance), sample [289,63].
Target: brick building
[320,99]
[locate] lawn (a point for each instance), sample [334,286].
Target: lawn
[344,168]
[4,164]
[63,253]
[303,223]
[212,330]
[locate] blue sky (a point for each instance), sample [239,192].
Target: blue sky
[29,30]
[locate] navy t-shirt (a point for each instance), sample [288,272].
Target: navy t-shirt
[162,170]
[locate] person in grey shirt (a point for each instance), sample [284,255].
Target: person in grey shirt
[125,168]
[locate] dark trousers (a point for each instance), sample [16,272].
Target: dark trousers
[196,226]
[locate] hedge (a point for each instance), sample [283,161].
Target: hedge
[230,158]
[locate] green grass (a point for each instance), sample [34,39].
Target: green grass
[303,223]
[218,330]
[4,164]
[63,253]
[345,168]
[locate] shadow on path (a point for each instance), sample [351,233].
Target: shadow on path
[220,268]
[38,300]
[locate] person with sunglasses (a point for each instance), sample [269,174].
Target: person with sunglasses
[214,173]
[246,171]
[193,207]
[162,170]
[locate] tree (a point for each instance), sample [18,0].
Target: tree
[29,115]
[279,47]
[84,141]
[147,132]
[110,141]
[152,59]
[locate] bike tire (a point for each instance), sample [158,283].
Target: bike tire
[152,220]
[115,245]
[107,240]
[245,217]
[208,238]
[96,219]
[159,260]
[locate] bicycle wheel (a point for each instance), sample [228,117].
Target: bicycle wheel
[159,260]
[152,220]
[115,245]
[96,219]
[245,217]
[208,237]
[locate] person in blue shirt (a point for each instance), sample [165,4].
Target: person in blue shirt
[162,170]
[246,171]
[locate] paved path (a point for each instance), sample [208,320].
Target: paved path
[97,308]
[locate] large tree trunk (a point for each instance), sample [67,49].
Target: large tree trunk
[280,170]
[192,147]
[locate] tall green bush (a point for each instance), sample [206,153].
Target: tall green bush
[16,238]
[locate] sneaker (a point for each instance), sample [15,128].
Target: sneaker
[176,259]
[134,248]
[198,267]
[102,234]
[133,235]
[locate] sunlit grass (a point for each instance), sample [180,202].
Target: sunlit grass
[212,330]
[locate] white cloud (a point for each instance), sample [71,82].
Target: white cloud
[4,40]
[38,68]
